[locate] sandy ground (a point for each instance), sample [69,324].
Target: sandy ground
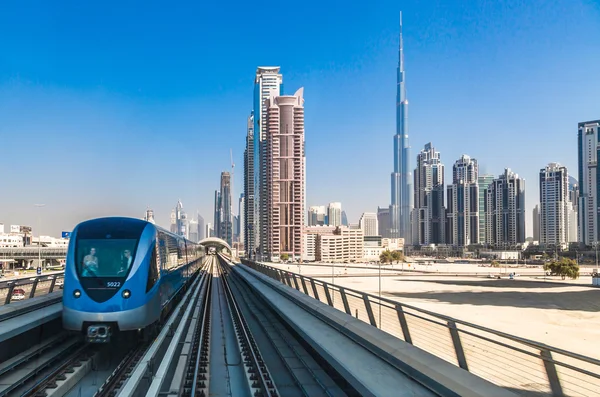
[550,311]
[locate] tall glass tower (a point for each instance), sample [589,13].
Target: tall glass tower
[402,189]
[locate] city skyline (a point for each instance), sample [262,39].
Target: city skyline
[498,123]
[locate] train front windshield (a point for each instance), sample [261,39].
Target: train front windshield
[106,248]
[104,258]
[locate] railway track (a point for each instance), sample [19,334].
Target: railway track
[222,339]
[19,377]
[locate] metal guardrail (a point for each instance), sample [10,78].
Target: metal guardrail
[32,286]
[520,365]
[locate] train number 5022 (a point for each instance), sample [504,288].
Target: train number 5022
[113,284]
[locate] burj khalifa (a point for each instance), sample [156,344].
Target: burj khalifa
[402,194]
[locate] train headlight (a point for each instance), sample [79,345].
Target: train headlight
[76,293]
[126,294]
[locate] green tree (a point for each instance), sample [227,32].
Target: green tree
[565,267]
[284,257]
[385,257]
[397,256]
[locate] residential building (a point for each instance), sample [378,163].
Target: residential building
[242,220]
[554,205]
[505,211]
[429,197]
[383,221]
[463,204]
[267,83]
[285,176]
[536,223]
[309,240]
[334,214]
[483,181]
[250,225]
[588,206]
[368,224]
[345,244]
[401,187]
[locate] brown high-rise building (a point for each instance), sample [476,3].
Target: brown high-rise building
[286,172]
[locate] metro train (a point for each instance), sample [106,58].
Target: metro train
[121,274]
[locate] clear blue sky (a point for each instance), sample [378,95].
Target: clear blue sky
[106,108]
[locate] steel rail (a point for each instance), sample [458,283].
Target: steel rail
[248,348]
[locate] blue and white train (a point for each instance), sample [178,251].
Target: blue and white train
[121,274]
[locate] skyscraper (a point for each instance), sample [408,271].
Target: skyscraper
[505,210]
[483,181]
[463,204]
[217,215]
[149,217]
[536,222]
[587,140]
[285,178]
[429,198]
[249,205]
[226,222]
[267,82]
[316,215]
[242,219]
[344,218]
[334,214]
[368,224]
[554,205]
[383,221]
[402,194]
[201,228]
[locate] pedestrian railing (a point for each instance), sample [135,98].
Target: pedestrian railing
[30,287]
[523,366]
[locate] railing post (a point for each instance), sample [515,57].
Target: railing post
[345,301]
[296,282]
[11,286]
[458,349]
[33,287]
[314,288]
[327,294]
[369,310]
[403,324]
[53,283]
[551,373]
[304,285]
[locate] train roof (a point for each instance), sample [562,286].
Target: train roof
[135,221]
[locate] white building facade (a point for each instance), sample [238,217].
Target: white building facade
[554,205]
[368,224]
[587,137]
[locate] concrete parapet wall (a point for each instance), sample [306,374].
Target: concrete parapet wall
[436,374]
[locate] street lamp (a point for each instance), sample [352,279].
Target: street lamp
[39,235]
[379,294]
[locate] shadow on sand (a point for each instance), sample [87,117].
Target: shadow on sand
[495,283]
[588,301]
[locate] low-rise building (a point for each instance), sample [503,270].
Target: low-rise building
[343,244]
[11,240]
